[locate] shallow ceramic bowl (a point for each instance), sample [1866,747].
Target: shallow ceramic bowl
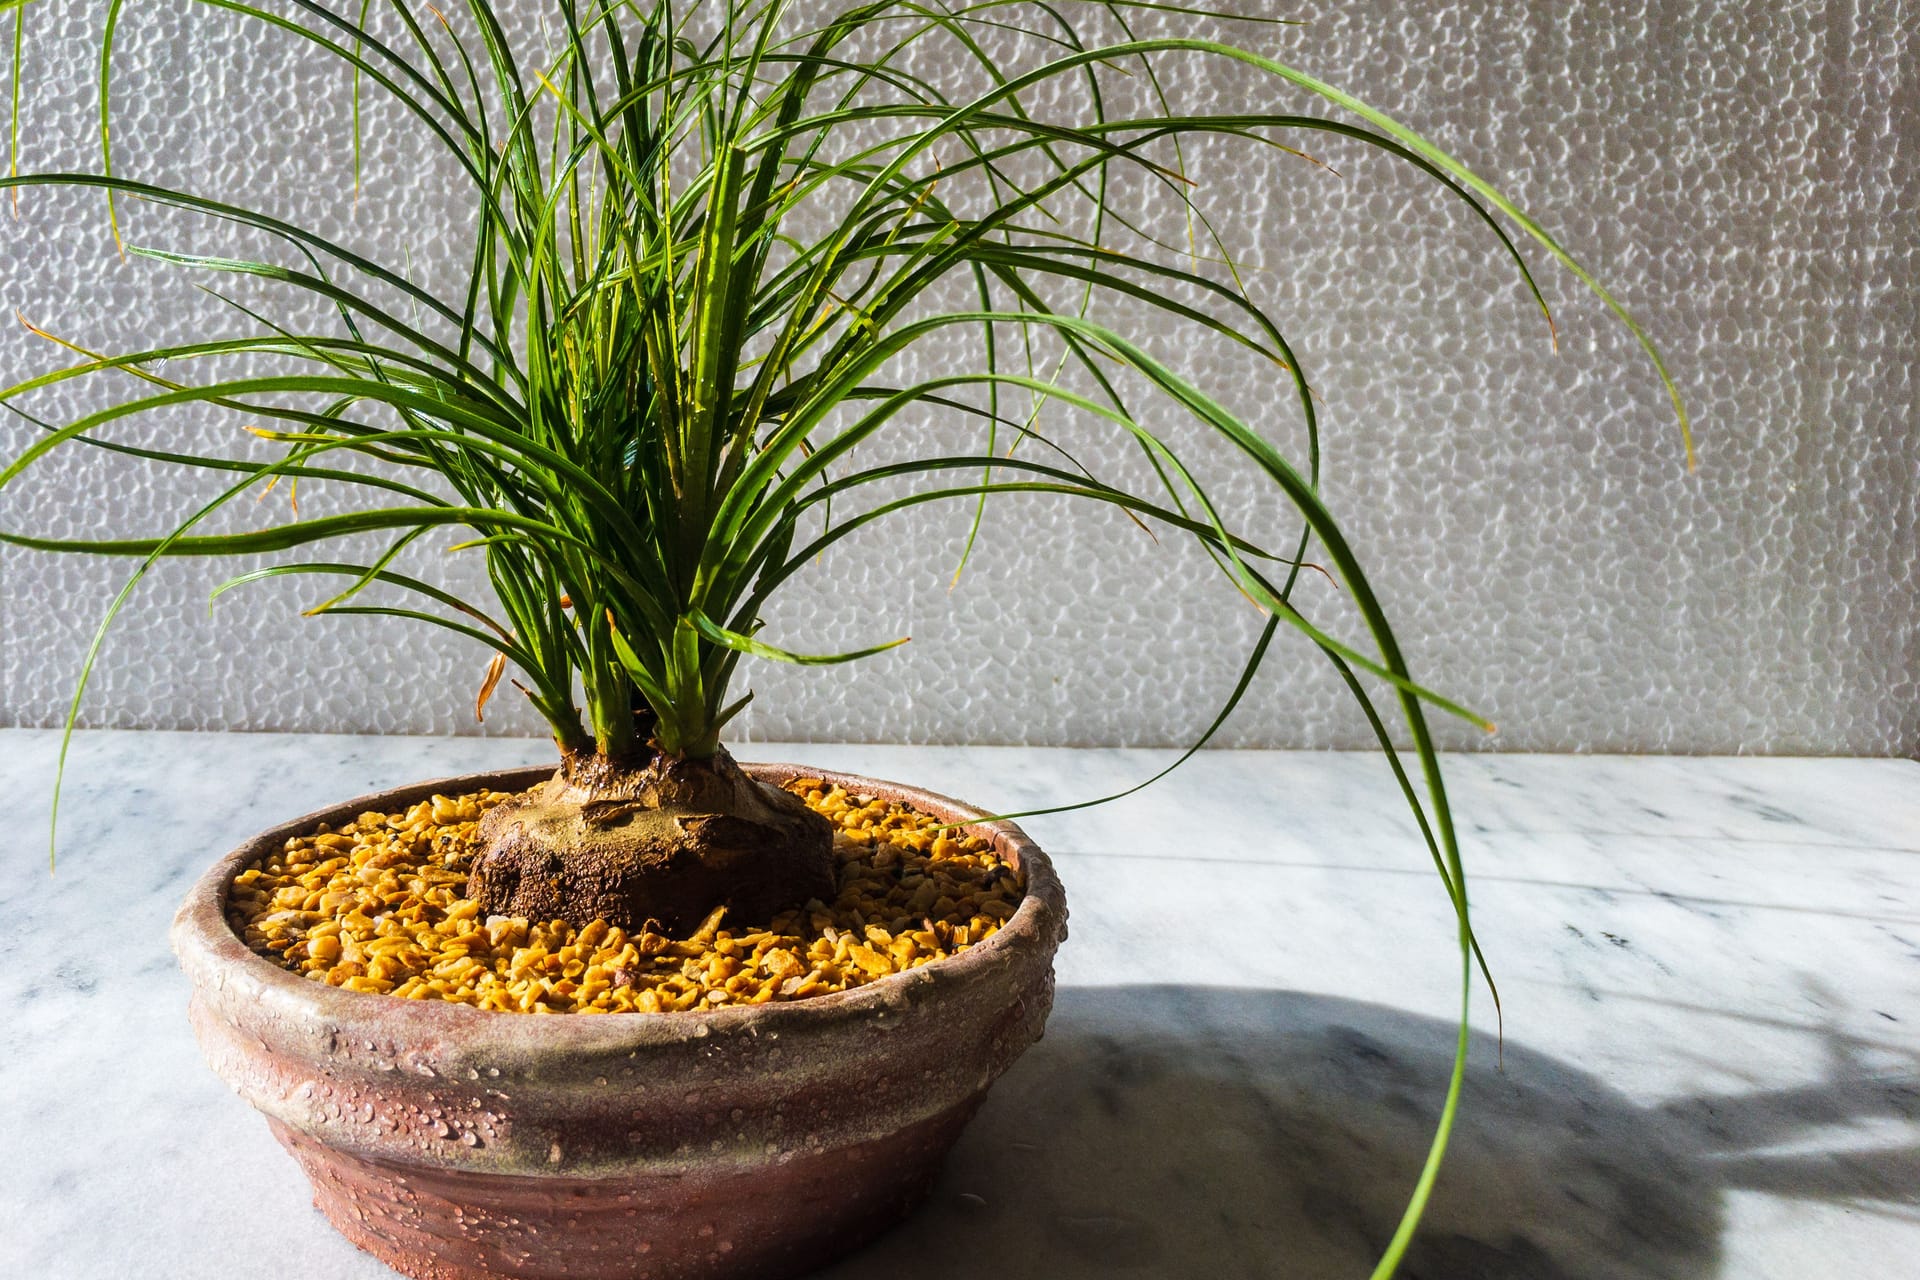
[760,1141]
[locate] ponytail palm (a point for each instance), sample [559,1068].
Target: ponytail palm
[708,241]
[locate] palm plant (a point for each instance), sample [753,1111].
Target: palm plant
[706,237]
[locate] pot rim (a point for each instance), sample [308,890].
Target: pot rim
[207,945]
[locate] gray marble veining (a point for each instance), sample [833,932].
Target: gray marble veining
[1710,970]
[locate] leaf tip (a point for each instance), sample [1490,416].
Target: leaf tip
[495,669]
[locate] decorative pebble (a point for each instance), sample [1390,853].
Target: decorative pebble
[378,906]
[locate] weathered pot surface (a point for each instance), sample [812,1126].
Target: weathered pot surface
[760,1141]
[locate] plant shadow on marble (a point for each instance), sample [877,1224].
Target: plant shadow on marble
[1197,1131]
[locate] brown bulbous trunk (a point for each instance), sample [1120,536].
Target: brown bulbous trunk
[663,839]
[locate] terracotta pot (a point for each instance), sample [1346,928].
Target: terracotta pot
[760,1141]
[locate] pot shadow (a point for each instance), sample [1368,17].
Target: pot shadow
[1209,1132]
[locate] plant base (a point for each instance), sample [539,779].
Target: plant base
[667,841]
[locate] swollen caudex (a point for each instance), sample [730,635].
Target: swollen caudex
[379,906]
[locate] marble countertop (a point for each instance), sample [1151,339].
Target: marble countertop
[1710,968]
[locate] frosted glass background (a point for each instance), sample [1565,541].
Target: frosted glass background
[1743,175]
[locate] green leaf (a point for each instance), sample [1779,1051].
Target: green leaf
[746,644]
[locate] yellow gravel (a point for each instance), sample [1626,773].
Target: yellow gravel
[377,906]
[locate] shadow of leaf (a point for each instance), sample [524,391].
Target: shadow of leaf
[1206,1132]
